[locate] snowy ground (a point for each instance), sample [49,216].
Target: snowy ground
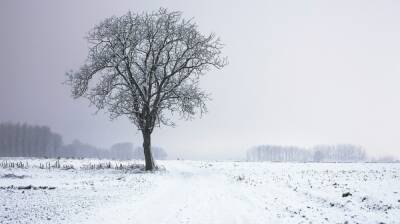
[201,192]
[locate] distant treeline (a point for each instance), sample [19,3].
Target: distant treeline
[23,140]
[318,153]
[124,150]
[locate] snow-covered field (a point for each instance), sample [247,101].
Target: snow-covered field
[200,192]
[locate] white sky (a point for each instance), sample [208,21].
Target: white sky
[299,73]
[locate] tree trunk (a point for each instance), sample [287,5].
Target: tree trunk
[148,157]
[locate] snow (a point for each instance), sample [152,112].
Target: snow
[202,192]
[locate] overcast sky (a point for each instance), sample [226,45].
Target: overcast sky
[299,73]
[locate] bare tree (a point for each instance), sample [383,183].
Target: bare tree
[146,67]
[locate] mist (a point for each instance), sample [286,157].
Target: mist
[299,74]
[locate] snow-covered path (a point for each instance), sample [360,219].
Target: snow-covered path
[187,194]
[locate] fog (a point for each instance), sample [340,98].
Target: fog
[300,73]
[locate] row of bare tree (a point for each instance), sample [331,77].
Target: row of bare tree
[318,153]
[23,140]
[123,151]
